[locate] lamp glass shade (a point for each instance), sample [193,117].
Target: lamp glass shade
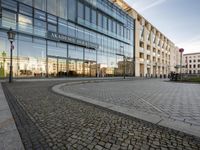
[11,35]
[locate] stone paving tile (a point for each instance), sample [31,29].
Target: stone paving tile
[178,100]
[63,123]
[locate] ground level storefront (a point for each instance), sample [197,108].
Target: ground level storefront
[38,57]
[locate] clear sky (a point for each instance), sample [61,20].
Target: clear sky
[179,20]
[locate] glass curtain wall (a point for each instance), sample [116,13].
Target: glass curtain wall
[92,22]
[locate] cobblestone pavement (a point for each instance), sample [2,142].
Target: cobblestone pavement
[49,121]
[178,101]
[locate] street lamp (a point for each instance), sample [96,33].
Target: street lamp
[122,47]
[181,50]
[11,38]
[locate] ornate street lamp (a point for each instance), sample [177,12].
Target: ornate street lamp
[124,74]
[181,50]
[11,38]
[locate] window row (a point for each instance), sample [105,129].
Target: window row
[39,27]
[100,20]
[194,60]
[96,18]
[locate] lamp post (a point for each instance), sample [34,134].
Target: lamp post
[11,38]
[181,50]
[124,74]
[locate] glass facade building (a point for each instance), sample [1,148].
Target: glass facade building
[66,38]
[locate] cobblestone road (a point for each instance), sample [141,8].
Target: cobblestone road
[178,100]
[49,121]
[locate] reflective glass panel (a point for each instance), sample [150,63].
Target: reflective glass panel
[25,23]
[40,4]
[8,19]
[51,6]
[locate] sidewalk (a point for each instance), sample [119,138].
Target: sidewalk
[74,79]
[9,135]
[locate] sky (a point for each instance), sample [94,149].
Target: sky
[179,20]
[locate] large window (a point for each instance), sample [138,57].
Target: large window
[90,54]
[114,27]
[5,55]
[75,52]
[25,23]
[80,10]
[8,19]
[80,33]
[118,29]
[63,9]
[57,49]
[94,17]
[32,57]
[27,2]
[71,30]
[26,10]
[109,25]
[87,13]
[39,27]
[40,15]
[52,19]
[71,10]
[62,26]
[40,4]
[9,4]
[100,18]
[105,21]
[51,6]
[52,27]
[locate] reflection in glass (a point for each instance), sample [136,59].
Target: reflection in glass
[25,23]
[62,68]
[57,49]
[51,6]
[31,59]
[52,67]
[8,19]
[62,9]
[5,56]
[40,4]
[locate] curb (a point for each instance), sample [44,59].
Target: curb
[10,138]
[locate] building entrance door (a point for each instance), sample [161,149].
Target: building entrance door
[52,66]
[90,68]
[62,67]
[57,67]
[75,68]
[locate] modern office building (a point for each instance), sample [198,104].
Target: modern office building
[155,54]
[191,62]
[67,38]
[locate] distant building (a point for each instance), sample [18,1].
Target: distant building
[155,54]
[192,63]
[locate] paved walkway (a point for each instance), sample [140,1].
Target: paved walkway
[52,121]
[154,100]
[9,136]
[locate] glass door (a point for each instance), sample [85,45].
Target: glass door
[52,66]
[93,66]
[62,67]
[79,67]
[87,72]
[90,68]
[72,68]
